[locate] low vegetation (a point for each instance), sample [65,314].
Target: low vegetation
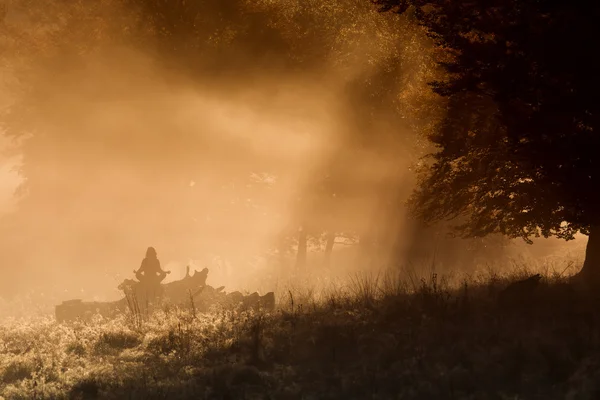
[378,337]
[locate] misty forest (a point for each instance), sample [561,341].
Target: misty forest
[299,199]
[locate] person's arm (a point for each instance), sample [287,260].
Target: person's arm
[160,267]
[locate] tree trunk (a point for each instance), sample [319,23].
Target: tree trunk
[590,271]
[329,248]
[302,247]
[281,251]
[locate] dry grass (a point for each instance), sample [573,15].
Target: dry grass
[376,337]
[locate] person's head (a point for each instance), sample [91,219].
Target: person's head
[150,253]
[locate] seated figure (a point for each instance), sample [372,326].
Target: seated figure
[150,272]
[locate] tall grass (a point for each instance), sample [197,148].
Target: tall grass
[408,335]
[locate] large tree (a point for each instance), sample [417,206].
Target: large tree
[517,150]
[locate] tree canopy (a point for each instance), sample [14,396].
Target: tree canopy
[516,152]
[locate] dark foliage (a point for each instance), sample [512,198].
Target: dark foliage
[517,147]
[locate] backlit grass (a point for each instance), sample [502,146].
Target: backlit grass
[377,337]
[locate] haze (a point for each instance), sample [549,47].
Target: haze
[213,165]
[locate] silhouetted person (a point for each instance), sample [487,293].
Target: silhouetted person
[150,270]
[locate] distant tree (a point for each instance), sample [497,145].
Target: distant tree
[3,12]
[517,153]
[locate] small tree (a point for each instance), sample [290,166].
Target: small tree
[517,148]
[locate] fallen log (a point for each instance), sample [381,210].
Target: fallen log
[138,298]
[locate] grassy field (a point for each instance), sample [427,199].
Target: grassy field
[374,338]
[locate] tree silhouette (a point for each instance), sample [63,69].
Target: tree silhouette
[517,151]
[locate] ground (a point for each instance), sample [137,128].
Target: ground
[372,339]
